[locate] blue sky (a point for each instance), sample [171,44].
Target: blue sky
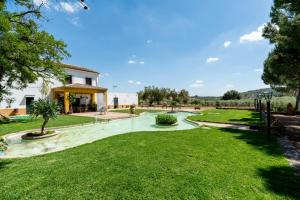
[207,47]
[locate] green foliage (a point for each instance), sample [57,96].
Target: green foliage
[26,52]
[3,144]
[152,94]
[165,119]
[282,67]
[231,95]
[46,109]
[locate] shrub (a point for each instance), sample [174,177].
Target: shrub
[3,144]
[165,119]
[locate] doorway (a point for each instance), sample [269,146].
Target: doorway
[29,101]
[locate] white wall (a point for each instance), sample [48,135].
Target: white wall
[34,90]
[124,98]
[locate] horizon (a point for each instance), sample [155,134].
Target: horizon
[134,44]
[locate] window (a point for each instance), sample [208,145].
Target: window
[88,81]
[69,79]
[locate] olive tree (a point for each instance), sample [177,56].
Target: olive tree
[46,109]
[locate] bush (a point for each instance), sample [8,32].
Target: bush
[231,95]
[165,119]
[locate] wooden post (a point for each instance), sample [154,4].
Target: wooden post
[269,120]
[260,110]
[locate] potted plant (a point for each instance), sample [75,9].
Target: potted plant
[132,109]
[72,100]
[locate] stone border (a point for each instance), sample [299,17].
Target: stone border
[26,137]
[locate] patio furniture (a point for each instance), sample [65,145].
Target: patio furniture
[102,110]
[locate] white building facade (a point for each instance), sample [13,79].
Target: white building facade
[119,100]
[81,82]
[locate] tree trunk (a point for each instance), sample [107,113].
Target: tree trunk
[297,101]
[43,125]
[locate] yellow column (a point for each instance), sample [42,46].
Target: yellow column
[94,98]
[66,102]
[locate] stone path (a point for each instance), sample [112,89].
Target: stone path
[220,125]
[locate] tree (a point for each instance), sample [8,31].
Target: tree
[9,101]
[26,52]
[231,95]
[183,96]
[282,67]
[45,108]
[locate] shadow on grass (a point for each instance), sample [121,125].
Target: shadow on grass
[282,181]
[254,119]
[4,163]
[16,121]
[258,139]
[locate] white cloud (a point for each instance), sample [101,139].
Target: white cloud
[197,84]
[227,44]
[68,7]
[134,82]
[260,70]
[131,62]
[212,60]
[45,3]
[135,60]
[253,36]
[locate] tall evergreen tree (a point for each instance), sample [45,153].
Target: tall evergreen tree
[282,67]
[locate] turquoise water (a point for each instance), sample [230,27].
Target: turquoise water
[20,117]
[75,136]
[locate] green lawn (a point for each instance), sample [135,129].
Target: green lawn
[27,124]
[137,111]
[191,164]
[228,116]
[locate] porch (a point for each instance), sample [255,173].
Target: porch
[86,97]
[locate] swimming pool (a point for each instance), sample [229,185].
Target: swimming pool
[75,136]
[20,117]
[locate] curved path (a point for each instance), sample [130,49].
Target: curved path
[221,125]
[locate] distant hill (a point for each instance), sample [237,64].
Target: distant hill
[253,93]
[244,95]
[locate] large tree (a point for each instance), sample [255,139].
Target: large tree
[282,67]
[27,53]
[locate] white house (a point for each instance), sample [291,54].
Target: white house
[82,82]
[117,99]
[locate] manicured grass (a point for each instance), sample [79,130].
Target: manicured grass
[137,111]
[228,116]
[27,124]
[190,164]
